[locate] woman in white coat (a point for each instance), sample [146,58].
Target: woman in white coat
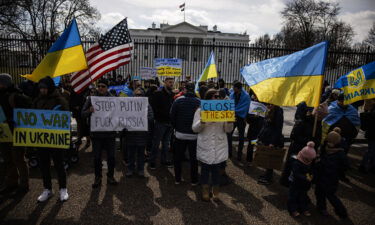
[212,148]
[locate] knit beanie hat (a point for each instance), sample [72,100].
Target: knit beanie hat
[6,80]
[307,154]
[48,83]
[334,137]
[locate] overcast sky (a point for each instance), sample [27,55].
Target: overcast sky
[256,17]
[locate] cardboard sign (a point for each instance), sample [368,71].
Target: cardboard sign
[5,133]
[168,67]
[147,73]
[118,113]
[41,128]
[217,111]
[258,109]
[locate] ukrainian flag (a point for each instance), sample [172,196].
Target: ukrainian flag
[208,72]
[65,56]
[358,84]
[290,79]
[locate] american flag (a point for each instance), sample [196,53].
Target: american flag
[113,50]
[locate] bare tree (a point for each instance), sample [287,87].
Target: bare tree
[371,36]
[45,19]
[310,21]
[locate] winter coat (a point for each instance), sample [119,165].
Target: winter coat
[53,101]
[302,133]
[86,114]
[328,170]
[242,106]
[301,176]
[182,113]
[272,129]
[367,121]
[139,138]
[255,125]
[161,103]
[212,143]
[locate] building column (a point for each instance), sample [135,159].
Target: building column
[176,47]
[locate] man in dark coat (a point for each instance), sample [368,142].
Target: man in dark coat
[161,103]
[101,141]
[14,157]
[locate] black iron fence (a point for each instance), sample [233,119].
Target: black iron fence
[20,56]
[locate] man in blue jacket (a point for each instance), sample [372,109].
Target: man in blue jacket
[242,102]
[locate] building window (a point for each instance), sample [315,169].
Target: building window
[146,57]
[146,46]
[135,56]
[219,60]
[230,60]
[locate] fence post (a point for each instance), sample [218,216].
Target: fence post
[156,47]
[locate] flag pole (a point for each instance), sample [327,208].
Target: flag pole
[184,10]
[320,92]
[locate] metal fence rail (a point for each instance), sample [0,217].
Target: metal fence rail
[20,56]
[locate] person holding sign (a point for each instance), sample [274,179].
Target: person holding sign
[212,147]
[271,135]
[101,141]
[14,157]
[50,99]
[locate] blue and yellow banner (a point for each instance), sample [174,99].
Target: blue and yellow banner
[168,67]
[290,79]
[65,56]
[217,111]
[358,84]
[5,133]
[41,128]
[208,72]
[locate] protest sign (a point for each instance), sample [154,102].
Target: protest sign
[217,111]
[2,115]
[147,73]
[257,108]
[41,128]
[5,133]
[168,67]
[118,113]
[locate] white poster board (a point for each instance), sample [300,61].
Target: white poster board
[118,113]
[147,73]
[257,108]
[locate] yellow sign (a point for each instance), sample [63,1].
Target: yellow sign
[41,138]
[168,71]
[5,133]
[218,116]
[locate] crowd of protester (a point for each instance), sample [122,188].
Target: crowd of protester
[176,133]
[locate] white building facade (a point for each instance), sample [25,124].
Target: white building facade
[192,44]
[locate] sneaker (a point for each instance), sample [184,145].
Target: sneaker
[97,182]
[194,184]
[295,214]
[125,162]
[167,164]
[152,166]
[177,182]
[63,194]
[111,181]
[264,181]
[46,194]
[129,174]
[306,213]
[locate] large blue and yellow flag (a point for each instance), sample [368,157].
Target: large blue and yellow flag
[290,79]
[208,72]
[65,56]
[358,84]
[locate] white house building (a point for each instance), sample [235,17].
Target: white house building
[192,44]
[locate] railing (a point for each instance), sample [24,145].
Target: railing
[20,56]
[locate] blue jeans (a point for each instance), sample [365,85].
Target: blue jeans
[207,170]
[368,160]
[162,132]
[138,150]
